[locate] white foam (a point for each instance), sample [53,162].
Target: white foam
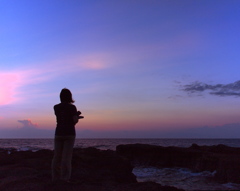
[182,178]
[231,185]
[28,149]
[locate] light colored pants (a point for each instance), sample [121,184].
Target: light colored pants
[61,163]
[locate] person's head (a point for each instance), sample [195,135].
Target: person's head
[66,96]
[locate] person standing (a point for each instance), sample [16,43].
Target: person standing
[66,117]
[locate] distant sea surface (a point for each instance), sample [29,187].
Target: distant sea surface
[178,177]
[104,144]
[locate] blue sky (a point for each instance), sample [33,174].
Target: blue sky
[142,68]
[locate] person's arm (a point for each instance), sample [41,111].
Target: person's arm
[75,116]
[75,119]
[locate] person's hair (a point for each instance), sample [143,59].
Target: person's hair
[66,96]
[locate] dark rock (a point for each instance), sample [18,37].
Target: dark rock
[102,165]
[152,155]
[146,186]
[222,159]
[92,170]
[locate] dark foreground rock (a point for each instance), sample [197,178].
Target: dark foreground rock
[93,170]
[221,159]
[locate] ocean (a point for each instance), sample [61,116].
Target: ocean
[178,177]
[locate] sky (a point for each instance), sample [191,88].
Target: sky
[136,68]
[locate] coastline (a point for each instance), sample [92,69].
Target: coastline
[93,169]
[112,170]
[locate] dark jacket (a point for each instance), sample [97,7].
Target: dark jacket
[64,115]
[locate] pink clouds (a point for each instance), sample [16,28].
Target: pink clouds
[95,61]
[8,85]
[27,123]
[12,81]
[90,61]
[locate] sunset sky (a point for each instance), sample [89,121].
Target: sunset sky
[136,68]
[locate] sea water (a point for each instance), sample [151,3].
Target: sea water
[104,144]
[178,177]
[182,178]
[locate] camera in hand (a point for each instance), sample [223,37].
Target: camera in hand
[79,115]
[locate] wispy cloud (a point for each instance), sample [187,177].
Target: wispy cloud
[89,61]
[231,89]
[9,81]
[95,61]
[12,81]
[125,57]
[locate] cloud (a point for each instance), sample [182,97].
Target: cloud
[231,89]
[27,123]
[28,130]
[73,63]
[8,84]
[96,61]
[11,83]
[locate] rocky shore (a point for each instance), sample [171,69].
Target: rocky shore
[93,170]
[224,161]
[107,170]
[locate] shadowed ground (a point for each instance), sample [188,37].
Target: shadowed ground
[93,170]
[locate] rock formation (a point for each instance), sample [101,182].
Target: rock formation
[93,170]
[221,159]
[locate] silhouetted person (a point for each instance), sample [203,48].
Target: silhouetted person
[66,116]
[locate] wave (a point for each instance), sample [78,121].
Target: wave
[182,178]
